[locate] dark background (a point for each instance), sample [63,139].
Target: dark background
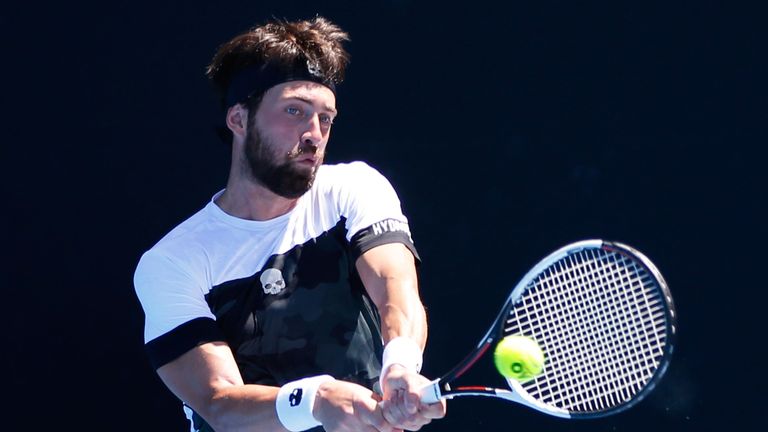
[508,129]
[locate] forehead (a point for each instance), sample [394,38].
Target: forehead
[308,91]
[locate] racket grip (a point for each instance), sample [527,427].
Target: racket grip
[431,393]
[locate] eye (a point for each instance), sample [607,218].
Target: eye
[293,111]
[326,119]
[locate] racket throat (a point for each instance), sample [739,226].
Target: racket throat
[437,390]
[508,395]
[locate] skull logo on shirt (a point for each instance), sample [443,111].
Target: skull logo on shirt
[272,281]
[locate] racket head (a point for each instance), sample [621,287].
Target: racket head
[605,319]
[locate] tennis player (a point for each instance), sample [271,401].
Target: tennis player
[290,300]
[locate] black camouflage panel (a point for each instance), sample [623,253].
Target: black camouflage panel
[317,320]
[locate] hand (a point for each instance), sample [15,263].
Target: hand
[402,406]
[346,407]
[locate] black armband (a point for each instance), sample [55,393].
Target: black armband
[170,346]
[383,232]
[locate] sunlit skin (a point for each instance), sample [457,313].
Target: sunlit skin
[290,132]
[294,124]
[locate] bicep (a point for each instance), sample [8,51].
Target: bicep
[388,270]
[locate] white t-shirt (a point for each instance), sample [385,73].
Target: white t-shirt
[283,293]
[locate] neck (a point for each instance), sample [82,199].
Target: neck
[246,198]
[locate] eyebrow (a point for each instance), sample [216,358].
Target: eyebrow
[310,102]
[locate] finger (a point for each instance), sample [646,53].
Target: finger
[386,411]
[378,420]
[411,401]
[405,397]
[411,421]
[395,414]
[433,411]
[393,425]
[412,392]
[416,421]
[402,405]
[394,411]
[390,385]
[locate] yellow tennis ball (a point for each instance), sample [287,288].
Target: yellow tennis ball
[518,357]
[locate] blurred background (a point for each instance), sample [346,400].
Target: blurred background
[508,129]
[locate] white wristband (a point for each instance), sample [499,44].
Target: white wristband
[295,401]
[403,351]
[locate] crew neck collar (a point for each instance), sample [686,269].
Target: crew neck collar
[254,225]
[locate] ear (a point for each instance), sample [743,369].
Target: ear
[237,120]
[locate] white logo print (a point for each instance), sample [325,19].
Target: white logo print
[272,281]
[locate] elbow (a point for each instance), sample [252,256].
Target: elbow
[216,411]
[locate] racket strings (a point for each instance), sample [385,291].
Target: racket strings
[606,368]
[601,322]
[577,357]
[622,385]
[609,370]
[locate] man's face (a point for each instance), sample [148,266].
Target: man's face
[285,143]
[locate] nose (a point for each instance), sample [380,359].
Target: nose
[313,134]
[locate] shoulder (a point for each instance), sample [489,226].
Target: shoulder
[179,249]
[347,171]
[184,235]
[352,176]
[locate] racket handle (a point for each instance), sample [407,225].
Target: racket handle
[431,393]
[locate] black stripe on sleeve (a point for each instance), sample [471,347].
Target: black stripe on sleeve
[383,232]
[170,346]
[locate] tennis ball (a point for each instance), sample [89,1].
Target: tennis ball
[518,357]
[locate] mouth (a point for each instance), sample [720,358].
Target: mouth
[309,162]
[306,157]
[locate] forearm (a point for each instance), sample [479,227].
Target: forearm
[402,313]
[239,408]
[389,275]
[207,379]
[229,405]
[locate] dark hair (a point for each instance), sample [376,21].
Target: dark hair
[315,43]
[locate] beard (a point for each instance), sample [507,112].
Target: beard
[278,173]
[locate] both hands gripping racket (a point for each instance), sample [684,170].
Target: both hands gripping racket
[604,318]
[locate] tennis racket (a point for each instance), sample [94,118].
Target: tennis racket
[604,318]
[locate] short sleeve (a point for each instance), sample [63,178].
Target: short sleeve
[372,209]
[177,317]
